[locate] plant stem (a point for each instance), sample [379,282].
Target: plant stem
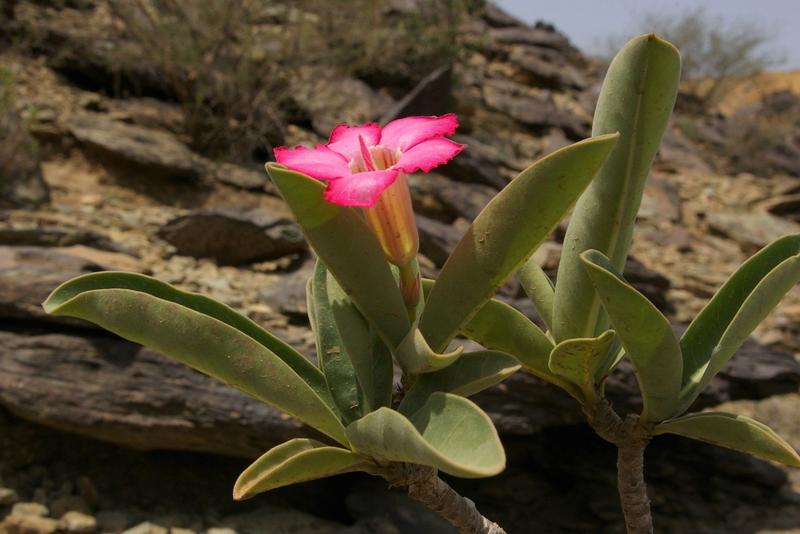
[631,439]
[633,489]
[425,486]
[411,289]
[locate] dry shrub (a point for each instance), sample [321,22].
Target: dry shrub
[215,64]
[21,183]
[380,40]
[717,52]
[228,62]
[765,139]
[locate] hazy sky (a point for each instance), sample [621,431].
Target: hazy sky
[587,22]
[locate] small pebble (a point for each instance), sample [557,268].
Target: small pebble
[77,523]
[8,497]
[34,509]
[146,528]
[29,524]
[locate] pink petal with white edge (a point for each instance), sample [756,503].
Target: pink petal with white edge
[344,138]
[428,154]
[361,189]
[408,132]
[320,162]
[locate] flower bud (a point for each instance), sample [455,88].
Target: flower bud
[392,221]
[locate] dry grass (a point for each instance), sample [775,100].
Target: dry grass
[229,62]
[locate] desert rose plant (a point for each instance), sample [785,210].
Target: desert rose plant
[370,311]
[594,318]
[351,199]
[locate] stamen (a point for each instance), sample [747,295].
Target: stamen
[366,155]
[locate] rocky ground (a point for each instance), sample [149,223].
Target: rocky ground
[117,184]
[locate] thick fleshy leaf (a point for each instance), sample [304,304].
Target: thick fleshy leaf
[416,356]
[506,232]
[356,363]
[745,299]
[361,189]
[472,373]
[349,250]
[428,154]
[297,460]
[344,139]
[539,288]
[205,335]
[448,432]
[580,361]
[320,162]
[498,326]
[332,352]
[636,100]
[735,432]
[645,334]
[408,132]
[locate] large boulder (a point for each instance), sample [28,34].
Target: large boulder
[111,389]
[536,108]
[233,237]
[134,396]
[152,150]
[29,274]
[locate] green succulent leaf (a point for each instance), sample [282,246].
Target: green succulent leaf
[297,460]
[498,326]
[332,352]
[636,100]
[645,334]
[416,356]
[448,432]
[539,288]
[356,362]
[205,335]
[472,373]
[735,432]
[506,232]
[745,299]
[581,361]
[348,249]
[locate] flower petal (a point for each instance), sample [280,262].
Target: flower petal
[361,189]
[344,138]
[319,162]
[407,132]
[428,154]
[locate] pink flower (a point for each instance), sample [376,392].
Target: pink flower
[361,162]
